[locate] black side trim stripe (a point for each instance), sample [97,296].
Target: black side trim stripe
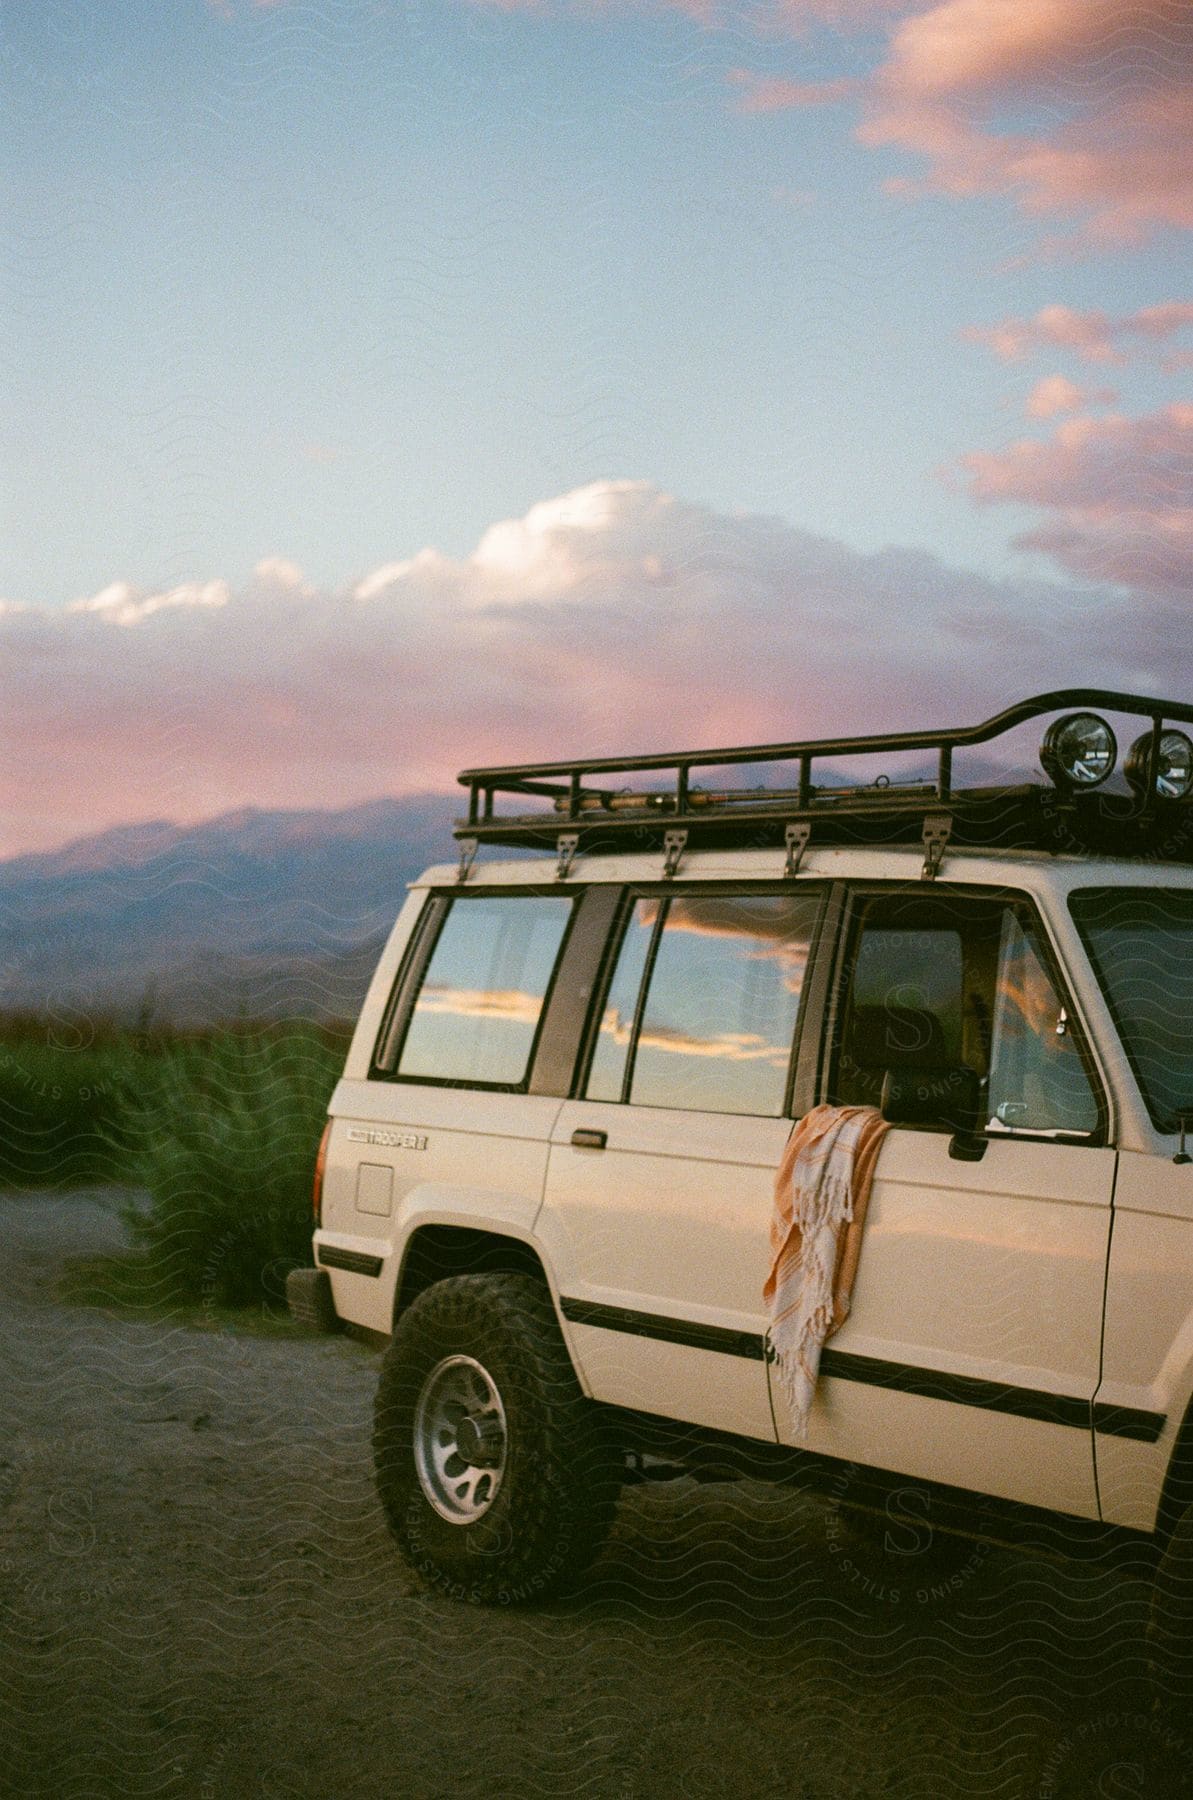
[959,1390]
[354,1260]
[903,1378]
[670,1331]
[1128,1422]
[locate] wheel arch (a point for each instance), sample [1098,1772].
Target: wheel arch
[435,1251]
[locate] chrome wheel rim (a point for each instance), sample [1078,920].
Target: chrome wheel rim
[460,1439]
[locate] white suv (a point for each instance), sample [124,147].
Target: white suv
[548,1172]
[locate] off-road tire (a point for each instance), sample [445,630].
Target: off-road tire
[560,1479]
[1170,1626]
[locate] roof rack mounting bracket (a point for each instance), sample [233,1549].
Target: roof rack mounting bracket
[566,844]
[467,857]
[937,831]
[673,846]
[796,838]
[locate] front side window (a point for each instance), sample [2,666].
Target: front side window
[1037,1080]
[475,1016]
[713,1030]
[953,995]
[1140,941]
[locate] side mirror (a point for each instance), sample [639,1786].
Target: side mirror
[947,1095]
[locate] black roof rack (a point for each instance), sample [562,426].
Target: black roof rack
[598,814]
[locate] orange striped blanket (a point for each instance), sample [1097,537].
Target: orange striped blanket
[822,1190]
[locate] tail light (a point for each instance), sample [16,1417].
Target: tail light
[320,1166]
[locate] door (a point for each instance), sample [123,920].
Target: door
[660,1178]
[971,1353]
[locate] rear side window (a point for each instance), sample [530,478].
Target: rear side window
[701,1009]
[476,1012]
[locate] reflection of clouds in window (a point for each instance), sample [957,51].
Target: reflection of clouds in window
[720,1013]
[739,1046]
[762,926]
[476,1003]
[731,1046]
[757,916]
[616,1027]
[1026,1003]
[479,1005]
[1026,997]
[1037,1079]
[795,967]
[1025,1000]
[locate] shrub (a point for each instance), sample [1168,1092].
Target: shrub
[225,1134]
[63,1105]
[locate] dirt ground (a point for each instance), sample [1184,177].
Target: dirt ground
[198,1597]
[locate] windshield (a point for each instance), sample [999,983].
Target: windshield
[1140,941]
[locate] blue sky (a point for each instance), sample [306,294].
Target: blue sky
[339,281]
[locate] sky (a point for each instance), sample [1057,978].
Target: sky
[395,385]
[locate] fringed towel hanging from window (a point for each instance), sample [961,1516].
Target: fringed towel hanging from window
[822,1190]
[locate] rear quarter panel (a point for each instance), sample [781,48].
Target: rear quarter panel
[451,1155]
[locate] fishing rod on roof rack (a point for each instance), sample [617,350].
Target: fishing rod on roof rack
[654,800]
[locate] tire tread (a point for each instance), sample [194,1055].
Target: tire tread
[561,1481]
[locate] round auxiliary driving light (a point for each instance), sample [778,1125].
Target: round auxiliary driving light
[1078,751]
[1174,771]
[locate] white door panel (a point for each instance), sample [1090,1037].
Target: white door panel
[667,1223]
[991,1272]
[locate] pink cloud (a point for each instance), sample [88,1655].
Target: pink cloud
[990,47]
[767,93]
[1095,337]
[794,16]
[613,618]
[1106,88]
[790,15]
[1117,494]
[1087,334]
[845,15]
[1056,394]
[1120,74]
[1161,321]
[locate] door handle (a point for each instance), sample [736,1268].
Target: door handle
[590,1140]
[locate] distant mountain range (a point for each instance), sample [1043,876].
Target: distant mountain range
[254,913]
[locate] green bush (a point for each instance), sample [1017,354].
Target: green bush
[63,1105]
[225,1133]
